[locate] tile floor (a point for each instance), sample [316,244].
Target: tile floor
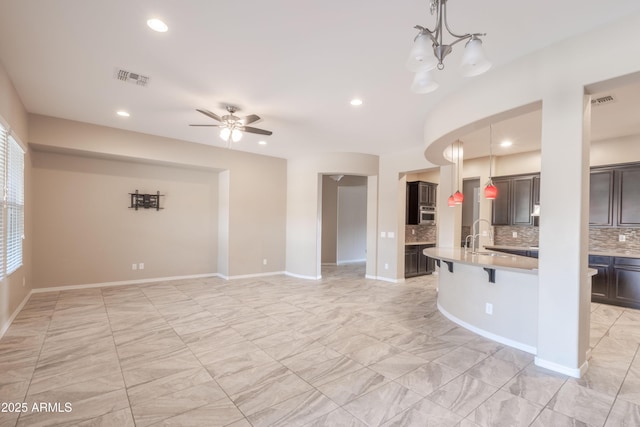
[278,351]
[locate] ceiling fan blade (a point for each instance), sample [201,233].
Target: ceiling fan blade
[249,129]
[214,126]
[208,113]
[250,119]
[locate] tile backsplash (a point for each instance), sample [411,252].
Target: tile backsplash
[503,236]
[604,239]
[423,233]
[600,239]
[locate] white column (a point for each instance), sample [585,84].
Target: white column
[564,287]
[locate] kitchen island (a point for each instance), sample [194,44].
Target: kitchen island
[492,294]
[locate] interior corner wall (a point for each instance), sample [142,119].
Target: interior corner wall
[16,287]
[85,231]
[223,223]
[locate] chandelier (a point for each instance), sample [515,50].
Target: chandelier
[429,50]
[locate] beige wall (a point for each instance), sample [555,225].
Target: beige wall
[256,200]
[17,286]
[304,207]
[85,232]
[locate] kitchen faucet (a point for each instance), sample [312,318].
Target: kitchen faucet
[473,234]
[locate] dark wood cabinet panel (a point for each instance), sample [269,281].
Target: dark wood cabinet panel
[628,196]
[627,286]
[600,282]
[516,196]
[419,193]
[522,201]
[410,262]
[416,263]
[601,198]
[501,213]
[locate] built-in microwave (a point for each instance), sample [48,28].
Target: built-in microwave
[427,215]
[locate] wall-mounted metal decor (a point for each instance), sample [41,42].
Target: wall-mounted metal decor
[145,201]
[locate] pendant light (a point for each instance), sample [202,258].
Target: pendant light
[458,197]
[490,190]
[451,201]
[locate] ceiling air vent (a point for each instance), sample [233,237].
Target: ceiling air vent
[128,76]
[607,99]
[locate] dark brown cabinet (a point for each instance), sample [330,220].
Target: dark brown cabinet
[419,193]
[501,214]
[601,198]
[516,196]
[628,203]
[416,263]
[617,280]
[614,196]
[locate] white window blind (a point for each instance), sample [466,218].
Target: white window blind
[3,144]
[14,212]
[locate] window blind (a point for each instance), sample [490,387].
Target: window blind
[14,185]
[3,162]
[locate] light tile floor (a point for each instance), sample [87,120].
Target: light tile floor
[278,351]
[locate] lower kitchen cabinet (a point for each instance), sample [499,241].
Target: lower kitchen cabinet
[617,281]
[416,263]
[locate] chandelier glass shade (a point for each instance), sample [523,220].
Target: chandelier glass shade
[227,133]
[423,82]
[429,49]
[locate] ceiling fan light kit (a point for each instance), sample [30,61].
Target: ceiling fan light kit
[429,50]
[232,126]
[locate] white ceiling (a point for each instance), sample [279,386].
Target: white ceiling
[296,63]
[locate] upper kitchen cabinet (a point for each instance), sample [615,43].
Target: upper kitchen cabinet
[601,198]
[629,196]
[516,196]
[615,196]
[421,198]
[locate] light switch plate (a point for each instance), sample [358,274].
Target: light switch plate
[622,238]
[515,234]
[391,234]
[383,234]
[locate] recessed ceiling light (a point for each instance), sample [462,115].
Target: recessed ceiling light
[122,113]
[356,102]
[506,143]
[262,142]
[157,25]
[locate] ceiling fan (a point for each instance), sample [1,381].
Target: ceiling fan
[231,125]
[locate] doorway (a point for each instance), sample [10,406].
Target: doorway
[344,221]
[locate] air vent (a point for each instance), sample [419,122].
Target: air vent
[131,77]
[607,99]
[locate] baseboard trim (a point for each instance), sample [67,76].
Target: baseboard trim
[302,276]
[351,261]
[251,276]
[502,340]
[572,372]
[122,283]
[11,318]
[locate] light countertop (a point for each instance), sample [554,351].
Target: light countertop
[500,261]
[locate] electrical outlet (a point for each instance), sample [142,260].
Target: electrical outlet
[24,281]
[484,233]
[134,266]
[264,261]
[488,308]
[514,234]
[386,266]
[141,266]
[622,238]
[413,232]
[383,234]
